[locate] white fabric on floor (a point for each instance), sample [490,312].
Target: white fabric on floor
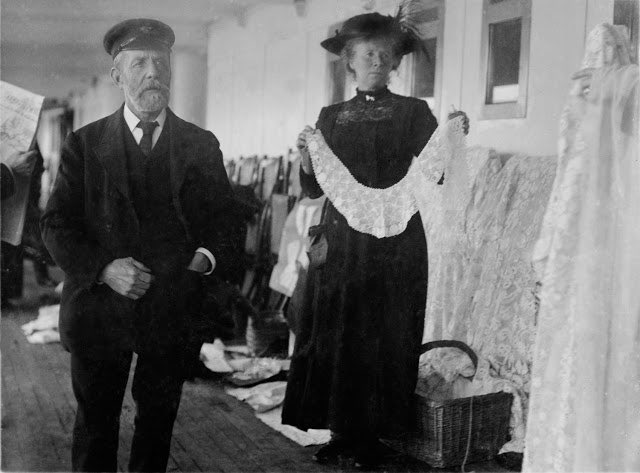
[213,357]
[273,419]
[266,399]
[43,329]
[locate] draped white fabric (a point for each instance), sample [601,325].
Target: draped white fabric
[294,245]
[585,399]
[482,288]
[383,212]
[443,210]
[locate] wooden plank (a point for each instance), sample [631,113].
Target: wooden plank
[250,431]
[272,443]
[53,424]
[181,454]
[202,444]
[236,443]
[215,433]
[40,453]
[13,437]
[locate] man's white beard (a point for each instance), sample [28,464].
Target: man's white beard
[151,101]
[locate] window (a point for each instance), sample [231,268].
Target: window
[424,70]
[339,82]
[505,56]
[425,64]
[625,12]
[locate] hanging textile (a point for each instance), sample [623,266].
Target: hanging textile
[585,398]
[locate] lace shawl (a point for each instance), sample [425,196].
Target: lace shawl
[383,212]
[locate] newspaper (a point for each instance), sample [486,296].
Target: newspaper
[19,114]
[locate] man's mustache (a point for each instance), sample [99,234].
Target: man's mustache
[156,85]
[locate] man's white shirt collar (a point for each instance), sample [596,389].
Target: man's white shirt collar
[132,120]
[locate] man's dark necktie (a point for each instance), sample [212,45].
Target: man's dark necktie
[147,134]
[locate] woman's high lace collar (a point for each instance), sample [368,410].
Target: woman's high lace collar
[372,95]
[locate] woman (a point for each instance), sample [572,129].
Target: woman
[584,412]
[355,363]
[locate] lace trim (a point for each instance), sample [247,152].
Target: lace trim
[383,212]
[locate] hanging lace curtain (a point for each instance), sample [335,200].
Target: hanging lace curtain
[585,399]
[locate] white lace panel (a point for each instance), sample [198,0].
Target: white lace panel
[383,212]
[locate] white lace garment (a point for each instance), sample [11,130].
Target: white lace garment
[383,212]
[585,398]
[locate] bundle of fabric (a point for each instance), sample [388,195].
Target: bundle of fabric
[266,400]
[44,329]
[246,369]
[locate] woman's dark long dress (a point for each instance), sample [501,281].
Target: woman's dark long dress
[355,362]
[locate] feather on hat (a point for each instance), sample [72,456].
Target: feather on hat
[405,25]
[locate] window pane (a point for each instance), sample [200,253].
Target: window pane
[424,69]
[625,12]
[338,80]
[504,61]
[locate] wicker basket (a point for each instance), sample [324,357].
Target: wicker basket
[265,330]
[458,431]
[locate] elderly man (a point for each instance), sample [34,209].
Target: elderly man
[138,217]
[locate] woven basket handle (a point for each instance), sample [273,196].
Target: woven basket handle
[451,343]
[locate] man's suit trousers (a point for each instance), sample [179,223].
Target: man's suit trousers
[99,387]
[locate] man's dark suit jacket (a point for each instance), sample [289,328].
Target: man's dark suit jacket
[90,221]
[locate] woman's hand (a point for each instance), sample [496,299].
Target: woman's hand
[465,120]
[304,152]
[584,77]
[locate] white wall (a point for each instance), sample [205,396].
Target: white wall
[558,31]
[188,91]
[268,78]
[100,99]
[189,84]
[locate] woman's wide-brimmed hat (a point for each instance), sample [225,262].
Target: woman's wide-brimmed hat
[371,25]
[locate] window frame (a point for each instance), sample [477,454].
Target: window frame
[431,30]
[631,8]
[335,61]
[505,10]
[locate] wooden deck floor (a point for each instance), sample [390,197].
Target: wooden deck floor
[213,431]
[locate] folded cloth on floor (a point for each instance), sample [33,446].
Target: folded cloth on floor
[44,336]
[262,397]
[256,370]
[43,329]
[47,320]
[266,400]
[247,371]
[273,419]
[213,357]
